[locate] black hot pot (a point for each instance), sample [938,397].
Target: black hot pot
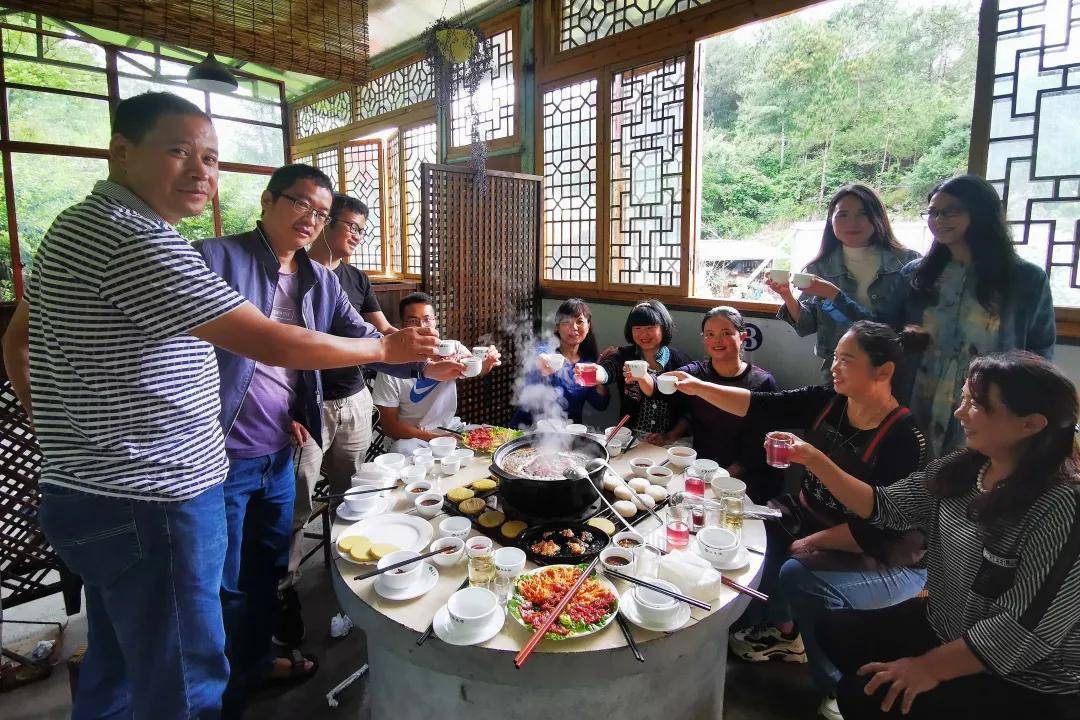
[560,498]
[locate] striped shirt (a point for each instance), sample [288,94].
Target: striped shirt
[125,400]
[1028,637]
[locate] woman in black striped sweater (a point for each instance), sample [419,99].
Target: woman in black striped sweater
[999,635]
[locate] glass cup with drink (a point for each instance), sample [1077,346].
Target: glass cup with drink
[677,527]
[778,448]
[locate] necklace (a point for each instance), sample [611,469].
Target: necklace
[979,477]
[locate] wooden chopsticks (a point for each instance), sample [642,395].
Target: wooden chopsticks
[739,587]
[661,589]
[615,430]
[526,651]
[403,563]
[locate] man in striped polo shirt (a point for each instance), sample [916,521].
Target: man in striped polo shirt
[110,353]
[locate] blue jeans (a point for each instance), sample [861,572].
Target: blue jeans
[259,494]
[152,570]
[805,596]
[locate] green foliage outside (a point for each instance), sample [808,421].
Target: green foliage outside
[878,92]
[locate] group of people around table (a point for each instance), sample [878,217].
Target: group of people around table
[187,398]
[928,563]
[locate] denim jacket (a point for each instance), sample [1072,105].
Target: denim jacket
[830,319]
[247,263]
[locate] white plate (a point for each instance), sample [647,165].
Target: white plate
[628,607]
[407,532]
[428,577]
[379,507]
[737,563]
[446,631]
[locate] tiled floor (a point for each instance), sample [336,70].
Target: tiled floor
[777,691]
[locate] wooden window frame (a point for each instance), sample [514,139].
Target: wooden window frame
[682,33]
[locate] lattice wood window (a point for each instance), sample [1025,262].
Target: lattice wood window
[362,163]
[570,182]
[1034,152]
[329,113]
[327,160]
[398,89]
[583,21]
[419,147]
[495,99]
[392,197]
[646,180]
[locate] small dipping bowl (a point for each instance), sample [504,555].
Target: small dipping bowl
[682,457]
[640,464]
[659,475]
[617,539]
[402,577]
[617,558]
[509,561]
[449,559]
[429,504]
[456,526]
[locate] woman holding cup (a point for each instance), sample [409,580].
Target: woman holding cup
[554,380]
[999,633]
[836,559]
[855,273]
[635,366]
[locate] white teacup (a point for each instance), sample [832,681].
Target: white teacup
[471,607]
[424,461]
[681,456]
[358,503]
[638,368]
[717,544]
[656,607]
[455,526]
[473,366]
[659,475]
[450,464]
[480,351]
[465,455]
[446,348]
[802,280]
[391,461]
[509,561]
[414,474]
[550,425]
[705,469]
[614,449]
[576,429]
[780,277]
[442,446]
[554,361]
[726,486]
[429,504]
[666,383]
[402,577]
[640,464]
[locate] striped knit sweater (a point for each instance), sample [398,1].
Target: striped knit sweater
[1020,631]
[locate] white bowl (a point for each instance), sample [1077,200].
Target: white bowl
[414,474]
[455,526]
[391,461]
[451,559]
[449,465]
[471,607]
[371,473]
[509,561]
[640,464]
[432,509]
[659,475]
[627,535]
[465,455]
[655,607]
[442,446]
[359,503]
[624,433]
[424,461]
[576,429]
[682,457]
[717,544]
[402,577]
[420,451]
[478,546]
[725,486]
[608,553]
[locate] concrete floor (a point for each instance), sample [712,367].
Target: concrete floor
[770,692]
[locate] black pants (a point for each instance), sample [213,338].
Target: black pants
[852,638]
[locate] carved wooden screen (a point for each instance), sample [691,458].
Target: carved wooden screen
[583,21]
[480,260]
[329,113]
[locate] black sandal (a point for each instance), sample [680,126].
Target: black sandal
[297,675]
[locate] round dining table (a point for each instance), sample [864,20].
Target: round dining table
[681,678]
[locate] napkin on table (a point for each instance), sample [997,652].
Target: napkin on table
[692,574]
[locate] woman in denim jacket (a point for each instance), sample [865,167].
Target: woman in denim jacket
[855,272]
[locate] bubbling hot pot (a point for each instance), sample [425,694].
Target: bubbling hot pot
[555,496]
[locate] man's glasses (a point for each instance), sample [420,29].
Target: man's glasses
[946,214]
[354,228]
[426,321]
[305,208]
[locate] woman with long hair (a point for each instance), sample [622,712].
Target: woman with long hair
[648,331]
[820,556]
[550,388]
[999,633]
[856,270]
[972,295]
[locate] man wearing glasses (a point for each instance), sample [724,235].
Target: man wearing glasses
[346,407]
[413,410]
[266,411]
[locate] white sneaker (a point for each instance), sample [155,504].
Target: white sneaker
[764,642]
[829,710]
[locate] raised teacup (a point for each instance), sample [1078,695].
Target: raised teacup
[802,280]
[666,383]
[638,368]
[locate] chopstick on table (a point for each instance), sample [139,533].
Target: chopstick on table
[629,638]
[453,432]
[431,628]
[660,589]
[615,430]
[541,631]
[739,587]
[335,496]
[403,563]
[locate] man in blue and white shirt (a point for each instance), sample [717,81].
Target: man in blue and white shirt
[110,354]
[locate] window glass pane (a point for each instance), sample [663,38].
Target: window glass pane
[238,196]
[251,144]
[245,108]
[200,227]
[792,109]
[26,72]
[7,290]
[129,87]
[46,185]
[419,147]
[362,181]
[58,119]
[52,48]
